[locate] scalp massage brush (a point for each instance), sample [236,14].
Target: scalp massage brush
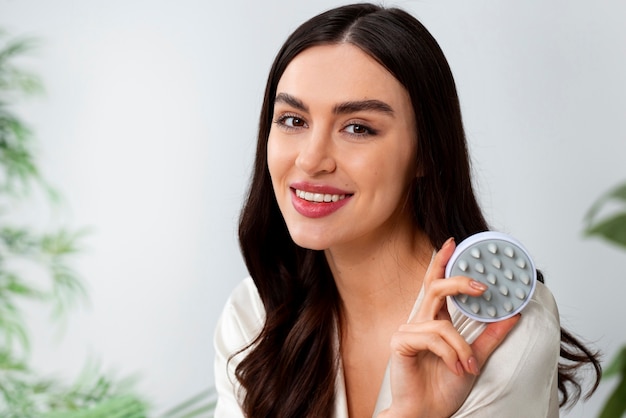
[504,265]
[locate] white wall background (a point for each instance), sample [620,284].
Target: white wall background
[148,130]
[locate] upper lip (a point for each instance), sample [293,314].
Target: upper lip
[318,188]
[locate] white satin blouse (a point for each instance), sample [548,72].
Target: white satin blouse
[519,379]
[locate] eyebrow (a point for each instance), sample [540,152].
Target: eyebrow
[342,108]
[290,100]
[362,105]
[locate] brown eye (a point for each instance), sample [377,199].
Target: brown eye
[291,122]
[296,122]
[359,130]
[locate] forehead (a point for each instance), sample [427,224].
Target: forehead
[341,72]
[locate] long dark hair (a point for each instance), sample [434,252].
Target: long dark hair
[290,369]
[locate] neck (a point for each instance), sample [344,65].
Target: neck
[378,281]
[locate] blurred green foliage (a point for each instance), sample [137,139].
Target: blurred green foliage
[35,267]
[606,219]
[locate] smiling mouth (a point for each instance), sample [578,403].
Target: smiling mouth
[319,197]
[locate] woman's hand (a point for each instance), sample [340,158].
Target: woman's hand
[433,368]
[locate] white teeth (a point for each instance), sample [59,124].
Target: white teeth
[319,197]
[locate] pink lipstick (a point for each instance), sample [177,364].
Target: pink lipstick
[316,201]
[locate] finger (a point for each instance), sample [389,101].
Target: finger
[492,337]
[436,293]
[437,269]
[446,331]
[443,313]
[408,345]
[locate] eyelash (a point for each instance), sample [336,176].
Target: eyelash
[368,131]
[282,122]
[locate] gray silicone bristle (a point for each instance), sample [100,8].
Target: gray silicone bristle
[504,265]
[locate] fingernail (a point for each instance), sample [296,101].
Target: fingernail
[448,242]
[459,368]
[472,364]
[478,285]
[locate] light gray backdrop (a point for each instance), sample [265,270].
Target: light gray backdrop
[148,129]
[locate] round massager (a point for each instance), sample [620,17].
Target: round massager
[504,265]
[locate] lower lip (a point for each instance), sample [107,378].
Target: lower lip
[316,209]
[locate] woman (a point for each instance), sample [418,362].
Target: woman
[360,189]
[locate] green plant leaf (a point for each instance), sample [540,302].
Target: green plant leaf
[22,289]
[61,242]
[8,363]
[618,193]
[617,365]
[12,78]
[23,392]
[612,229]
[116,407]
[18,240]
[194,406]
[615,405]
[16,47]
[13,329]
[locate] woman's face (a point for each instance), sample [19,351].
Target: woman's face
[341,148]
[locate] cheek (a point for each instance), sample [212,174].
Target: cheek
[280,160]
[271,156]
[397,170]
[274,158]
[407,162]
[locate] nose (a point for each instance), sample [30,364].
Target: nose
[316,154]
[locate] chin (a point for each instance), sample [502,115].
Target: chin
[311,244]
[309,241]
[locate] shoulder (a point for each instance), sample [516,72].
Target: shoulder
[241,320]
[541,313]
[539,323]
[539,329]
[244,302]
[538,333]
[542,308]
[524,366]
[240,323]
